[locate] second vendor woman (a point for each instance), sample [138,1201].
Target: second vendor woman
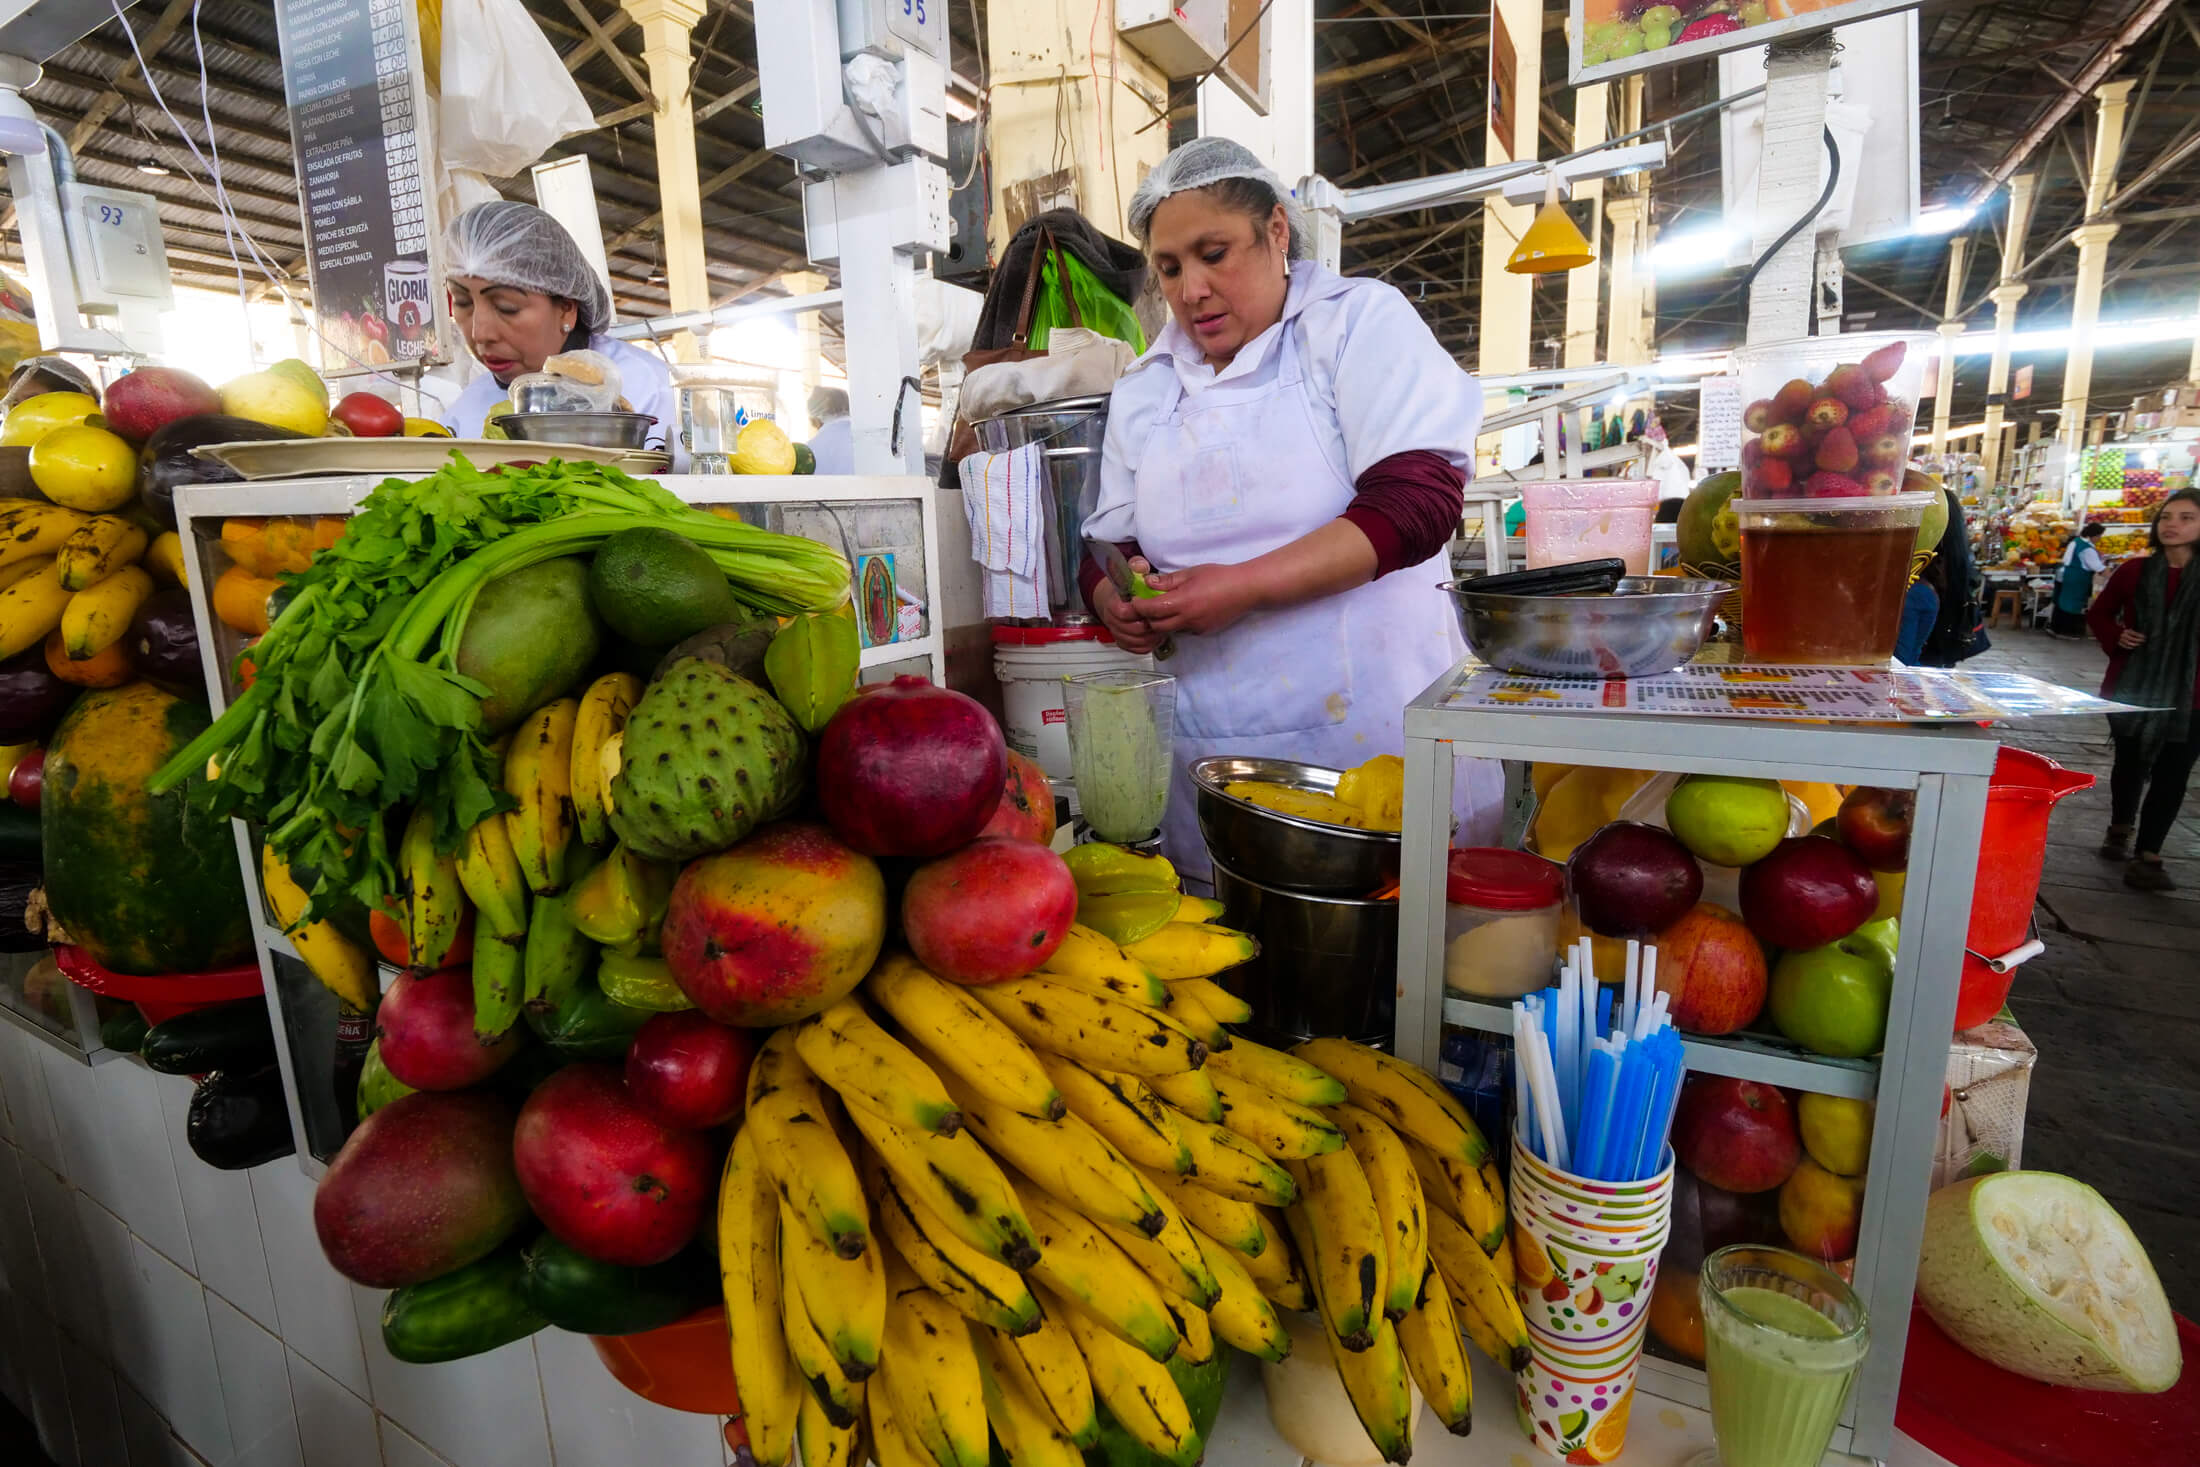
[1290,455]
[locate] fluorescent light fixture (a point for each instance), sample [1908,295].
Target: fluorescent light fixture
[1940,221]
[2107,336]
[1922,438]
[1697,252]
[154,167]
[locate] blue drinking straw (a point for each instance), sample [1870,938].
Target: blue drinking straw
[1662,1101]
[1634,1098]
[1593,1141]
[1604,1011]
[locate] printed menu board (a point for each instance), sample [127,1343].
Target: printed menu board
[356,108]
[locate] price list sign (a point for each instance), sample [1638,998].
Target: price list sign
[355,121]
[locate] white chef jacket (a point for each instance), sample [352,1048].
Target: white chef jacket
[644,380]
[1205,466]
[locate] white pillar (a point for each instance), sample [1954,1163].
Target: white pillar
[665,27]
[1788,180]
[2006,295]
[2092,240]
[1592,108]
[1623,339]
[1508,301]
[1944,397]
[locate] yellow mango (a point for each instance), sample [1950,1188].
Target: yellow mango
[1823,801]
[1377,789]
[1299,804]
[1543,775]
[1579,804]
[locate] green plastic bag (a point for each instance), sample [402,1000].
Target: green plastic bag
[1098,308]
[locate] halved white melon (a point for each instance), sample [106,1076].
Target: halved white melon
[2038,1274]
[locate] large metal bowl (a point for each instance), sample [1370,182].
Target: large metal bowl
[596,430]
[1327,965]
[1651,624]
[1284,851]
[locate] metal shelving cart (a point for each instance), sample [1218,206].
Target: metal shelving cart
[856,514]
[1948,766]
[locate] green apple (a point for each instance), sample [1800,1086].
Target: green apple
[1887,932]
[1728,822]
[1833,999]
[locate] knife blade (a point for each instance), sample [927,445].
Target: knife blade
[1129,584]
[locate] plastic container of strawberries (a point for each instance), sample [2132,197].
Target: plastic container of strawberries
[1830,417]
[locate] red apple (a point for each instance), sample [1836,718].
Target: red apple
[143,402]
[1875,824]
[1736,1134]
[368,416]
[689,1070]
[1631,879]
[1714,969]
[27,780]
[1810,891]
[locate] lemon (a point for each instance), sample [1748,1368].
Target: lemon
[34,417]
[85,468]
[763,448]
[1837,1132]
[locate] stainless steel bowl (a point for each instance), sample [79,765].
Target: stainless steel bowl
[1284,851]
[594,430]
[1327,965]
[1651,624]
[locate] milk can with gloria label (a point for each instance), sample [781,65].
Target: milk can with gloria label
[409,307]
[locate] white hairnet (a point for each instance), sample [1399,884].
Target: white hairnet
[508,243]
[1203,162]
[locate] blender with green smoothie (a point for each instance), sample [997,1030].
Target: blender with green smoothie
[1783,1337]
[1122,729]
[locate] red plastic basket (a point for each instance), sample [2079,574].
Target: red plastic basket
[159,996]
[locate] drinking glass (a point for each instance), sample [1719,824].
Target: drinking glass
[1783,1336]
[1122,727]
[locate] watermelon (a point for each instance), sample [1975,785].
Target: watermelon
[144,884]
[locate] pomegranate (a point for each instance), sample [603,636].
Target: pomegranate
[1026,811]
[996,909]
[607,1177]
[776,928]
[426,1025]
[423,1186]
[910,769]
[689,1070]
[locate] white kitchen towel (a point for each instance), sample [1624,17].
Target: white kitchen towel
[1005,496]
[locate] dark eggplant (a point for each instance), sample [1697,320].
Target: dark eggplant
[164,642]
[167,461]
[238,1119]
[34,376]
[32,699]
[236,1037]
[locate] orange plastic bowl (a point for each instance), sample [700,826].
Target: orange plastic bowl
[686,1365]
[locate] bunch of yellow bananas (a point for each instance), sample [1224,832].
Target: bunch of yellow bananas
[1403,1229]
[79,572]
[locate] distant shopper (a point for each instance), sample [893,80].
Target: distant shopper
[833,445]
[2147,618]
[2081,562]
[1959,631]
[1920,610]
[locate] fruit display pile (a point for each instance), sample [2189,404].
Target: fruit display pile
[2037,534]
[1799,933]
[1617,29]
[1837,438]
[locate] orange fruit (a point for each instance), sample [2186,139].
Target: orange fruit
[240,599]
[1607,955]
[1608,1437]
[1676,1314]
[109,667]
[1530,1263]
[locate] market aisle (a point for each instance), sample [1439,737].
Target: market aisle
[2114,1004]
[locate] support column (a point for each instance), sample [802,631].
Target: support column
[1624,344]
[665,26]
[1788,180]
[1592,125]
[2092,241]
[1944,398]
[2006,295]
[1508,301]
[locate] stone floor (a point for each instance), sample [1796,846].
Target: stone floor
[2113,1006]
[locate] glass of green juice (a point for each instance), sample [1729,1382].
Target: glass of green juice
[1122,728]
[1783,1336]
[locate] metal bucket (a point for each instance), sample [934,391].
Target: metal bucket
[1328,966]
[1070,428]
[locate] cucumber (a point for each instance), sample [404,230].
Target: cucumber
[238,1120]
[467,1311]
[227,1036]
[578,1293]
[587,1025]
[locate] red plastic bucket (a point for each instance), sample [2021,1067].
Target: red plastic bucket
[2012,848]
[161,996]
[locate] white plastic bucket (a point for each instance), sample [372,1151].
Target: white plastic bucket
[1030,663]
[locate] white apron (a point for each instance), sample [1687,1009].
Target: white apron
[1250,464]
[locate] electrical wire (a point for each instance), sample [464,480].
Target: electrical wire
[985,101]
[213,143]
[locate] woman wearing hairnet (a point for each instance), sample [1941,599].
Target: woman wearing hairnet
[521,293]
[1289,458]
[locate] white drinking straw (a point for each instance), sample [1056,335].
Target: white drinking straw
[1631,992]
[1545,1083]
[1522,1115]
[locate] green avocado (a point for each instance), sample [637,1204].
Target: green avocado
[531,636]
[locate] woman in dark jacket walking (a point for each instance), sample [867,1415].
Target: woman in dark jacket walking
[2147,618]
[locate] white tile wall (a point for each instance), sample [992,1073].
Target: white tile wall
[179,1375]
[312,1304]
[335,1427]
[255,1390]
[93,1406]
[48,1388]
[218,1209]
[483,1411]
[594,1419]
[401,1450]
[19,1265]
[100,1306]
[30,1111]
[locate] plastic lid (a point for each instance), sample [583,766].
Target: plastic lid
[1015,636]
[1503,881]
[1916,499]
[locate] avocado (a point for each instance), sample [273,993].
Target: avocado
[530,637]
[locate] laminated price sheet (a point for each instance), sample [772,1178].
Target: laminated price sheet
[1718,689]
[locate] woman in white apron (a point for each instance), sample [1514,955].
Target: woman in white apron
[1289,457]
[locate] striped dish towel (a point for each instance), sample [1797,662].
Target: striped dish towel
[1005,496]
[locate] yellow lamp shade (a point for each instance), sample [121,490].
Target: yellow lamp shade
[1551,244]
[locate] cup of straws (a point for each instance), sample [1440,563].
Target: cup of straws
[1596,1075]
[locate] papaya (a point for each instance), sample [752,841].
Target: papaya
[145,884]
[530,637]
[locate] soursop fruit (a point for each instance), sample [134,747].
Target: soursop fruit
[708,756]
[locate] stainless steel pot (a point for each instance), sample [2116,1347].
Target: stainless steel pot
[1328,966]
[1651,624]
[595,430]
[1281,850]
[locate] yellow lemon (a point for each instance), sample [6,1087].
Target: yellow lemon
[34,417]
[85,468]
[1837,1132]
[763,448]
